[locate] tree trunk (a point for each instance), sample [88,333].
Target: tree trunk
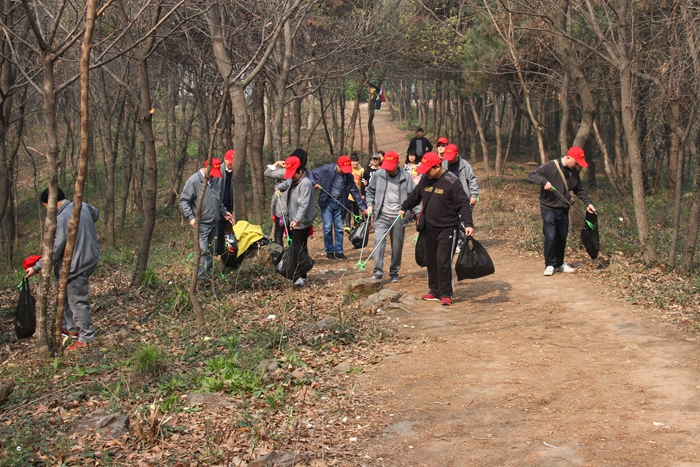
[257,137]
[482,134]
[151,166]
[74,223]
[240,142]
[497,122]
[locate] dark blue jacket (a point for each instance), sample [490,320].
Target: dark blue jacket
[324,177]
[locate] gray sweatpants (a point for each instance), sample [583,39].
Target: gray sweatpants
[76,309]
[396,236]
[207,244]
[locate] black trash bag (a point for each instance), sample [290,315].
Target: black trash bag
[420,250]
[25,314]
[293,268]
[590,236]
[359,235]
[473,261]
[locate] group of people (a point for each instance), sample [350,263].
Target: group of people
[440,187]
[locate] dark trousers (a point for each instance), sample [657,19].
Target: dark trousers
[555,227]
[439,245]
[279,232]
[300,239]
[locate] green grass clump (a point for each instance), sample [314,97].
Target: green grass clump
[149,360]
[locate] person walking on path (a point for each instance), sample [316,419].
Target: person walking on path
[389,188]
[419,144]
[410,167]
[77,322]
[213,210]
[462,170]
[357,173]
[444,203]
[278,204]
[301,208]
[440,146]
[560,175]
[336,182]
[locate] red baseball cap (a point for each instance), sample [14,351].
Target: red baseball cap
[291,164]
[215,171]
[450,152]
[345,164]
[391,159]
[577,153]
[229,155]
[442,140]
[429,160]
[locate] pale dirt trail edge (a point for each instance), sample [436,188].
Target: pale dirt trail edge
[526,370]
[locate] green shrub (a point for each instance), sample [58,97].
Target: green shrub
[149,360]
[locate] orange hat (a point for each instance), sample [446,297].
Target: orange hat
[442,140]
[577,153]
[228,157]
[345,164]
[391,158]
[450,152]
[291,165]
[430,160]
[215,171]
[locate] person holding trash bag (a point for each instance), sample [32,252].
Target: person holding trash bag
[560,175]
[444,201]
[301,209]
[213,210]
[336,182]
[77,322]
[387,190]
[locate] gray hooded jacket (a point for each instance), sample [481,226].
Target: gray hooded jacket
[213,208]
[377,188]
[87,249]
[467,177]
[300,201]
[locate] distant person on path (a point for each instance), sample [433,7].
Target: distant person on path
[301,208]
[444,203]
[77,322]
[462,170]
[440,146]
[419,144]
[337,183]
[213,210]
[227,197]
[386,192]
[371,169]
[379,100]
[562,175]
[413,94]
[410,167]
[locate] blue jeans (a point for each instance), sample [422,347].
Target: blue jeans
[555,227]
[332,217]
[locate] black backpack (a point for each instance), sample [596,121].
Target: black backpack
[25,314]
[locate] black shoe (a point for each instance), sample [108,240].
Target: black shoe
[330,256]
[340,256]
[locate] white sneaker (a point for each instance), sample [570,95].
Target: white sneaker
[300,282]
[565,268]
[549,271]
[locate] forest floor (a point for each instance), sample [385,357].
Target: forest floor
[523,370]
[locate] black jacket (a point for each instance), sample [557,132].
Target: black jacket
[548,172]
[427,147]
[444,200]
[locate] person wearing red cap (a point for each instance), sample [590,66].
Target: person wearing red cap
[440,146]
[463,170]
[213,210]
[301,209]
[419,144]
[444,202]
[388,188]
[336,183]
[562,176]
[226,191]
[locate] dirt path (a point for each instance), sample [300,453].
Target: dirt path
[527,371]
